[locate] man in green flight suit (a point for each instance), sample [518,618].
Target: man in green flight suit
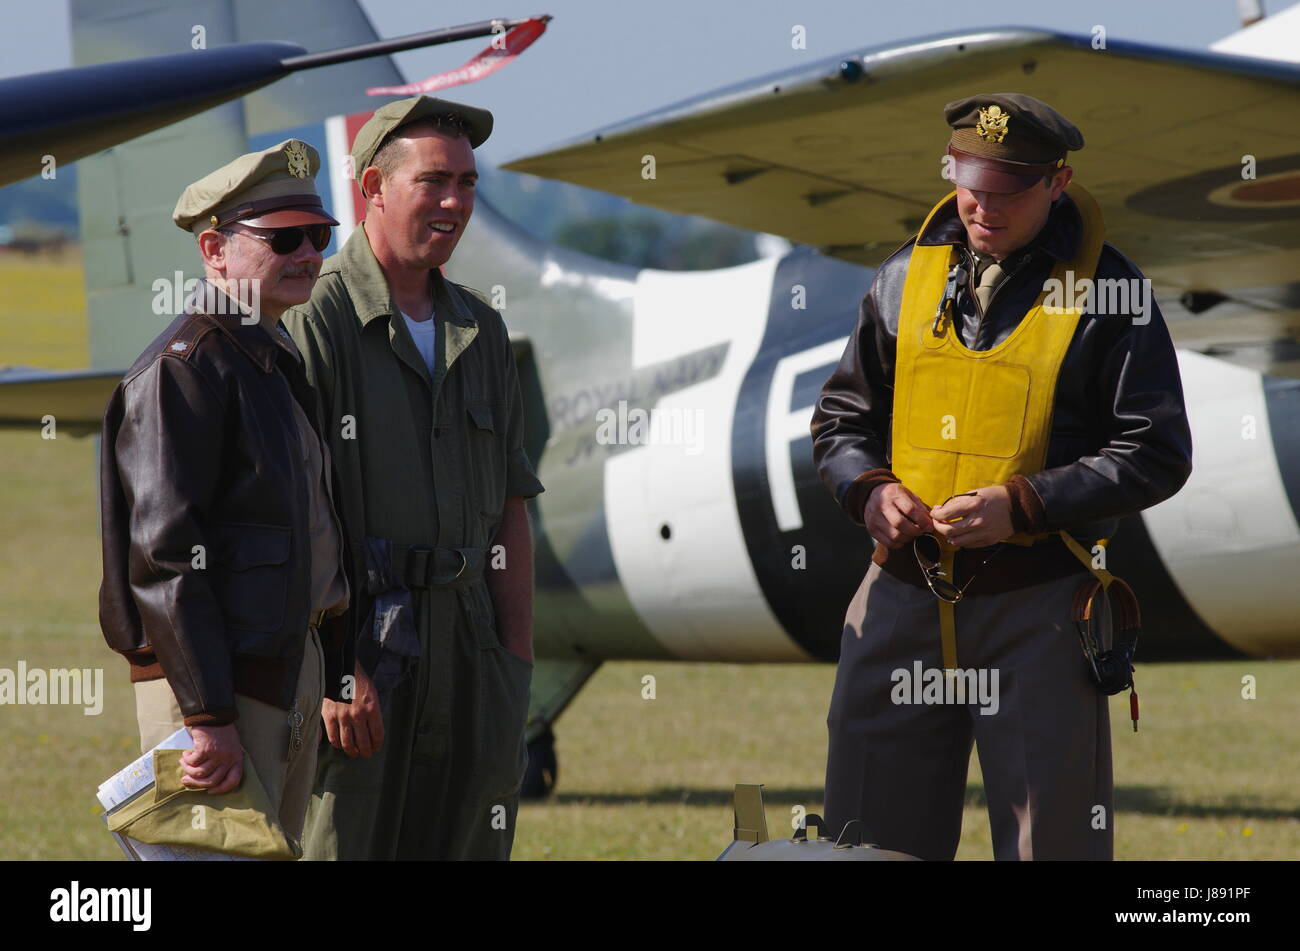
[420,401]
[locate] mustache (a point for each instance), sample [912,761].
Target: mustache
[298,272]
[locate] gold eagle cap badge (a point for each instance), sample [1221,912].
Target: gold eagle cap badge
[298,164]
[993,123]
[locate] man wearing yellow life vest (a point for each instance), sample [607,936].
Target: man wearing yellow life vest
[988,424]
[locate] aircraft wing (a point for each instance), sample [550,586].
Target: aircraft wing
[126,193]
[845,155]
[108,33]
[74,398]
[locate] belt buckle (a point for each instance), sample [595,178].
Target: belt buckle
[464,563]
[441,580]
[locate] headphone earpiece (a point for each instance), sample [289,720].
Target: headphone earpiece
[1112,668]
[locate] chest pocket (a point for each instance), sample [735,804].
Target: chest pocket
[486,438]
[974,407]
[482,416]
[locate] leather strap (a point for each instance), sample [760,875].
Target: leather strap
[1113,667]
[1126,602]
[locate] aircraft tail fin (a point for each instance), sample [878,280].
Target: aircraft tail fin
[133,253]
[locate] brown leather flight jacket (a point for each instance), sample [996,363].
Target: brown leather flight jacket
[200,448]
[1120,440]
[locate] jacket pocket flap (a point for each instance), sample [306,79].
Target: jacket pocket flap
[481,413]
[252,545]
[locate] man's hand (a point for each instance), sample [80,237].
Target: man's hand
[356,728]
[217,760]
[975,520]
[894,515]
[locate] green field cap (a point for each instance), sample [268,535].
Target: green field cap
[387,119]
[241,822]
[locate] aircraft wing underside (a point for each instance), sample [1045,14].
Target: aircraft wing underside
[127,192]
[74,399]
[846,155]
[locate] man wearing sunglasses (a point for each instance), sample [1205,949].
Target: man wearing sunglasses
[418,383]
[988,434]
[225,579]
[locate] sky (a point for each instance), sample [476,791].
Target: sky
[602,62]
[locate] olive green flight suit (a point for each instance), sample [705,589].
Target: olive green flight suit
[425,461]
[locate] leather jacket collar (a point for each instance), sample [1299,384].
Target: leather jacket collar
[249,338]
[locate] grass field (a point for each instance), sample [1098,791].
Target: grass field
[1210,775]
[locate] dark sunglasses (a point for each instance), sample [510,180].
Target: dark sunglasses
[929,555]
[288,240]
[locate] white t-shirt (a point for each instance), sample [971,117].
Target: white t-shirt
[423,333]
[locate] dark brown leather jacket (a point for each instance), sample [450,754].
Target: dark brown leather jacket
[1120,441]
[200,449]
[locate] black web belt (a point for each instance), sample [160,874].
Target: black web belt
[422,567]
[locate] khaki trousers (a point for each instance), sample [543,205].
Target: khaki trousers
[263,730]
[1045,754]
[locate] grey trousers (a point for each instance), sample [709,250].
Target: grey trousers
[1045,753]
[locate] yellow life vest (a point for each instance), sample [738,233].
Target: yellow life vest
[966,419]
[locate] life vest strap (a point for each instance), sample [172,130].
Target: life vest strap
[1101,574]
[947,612]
